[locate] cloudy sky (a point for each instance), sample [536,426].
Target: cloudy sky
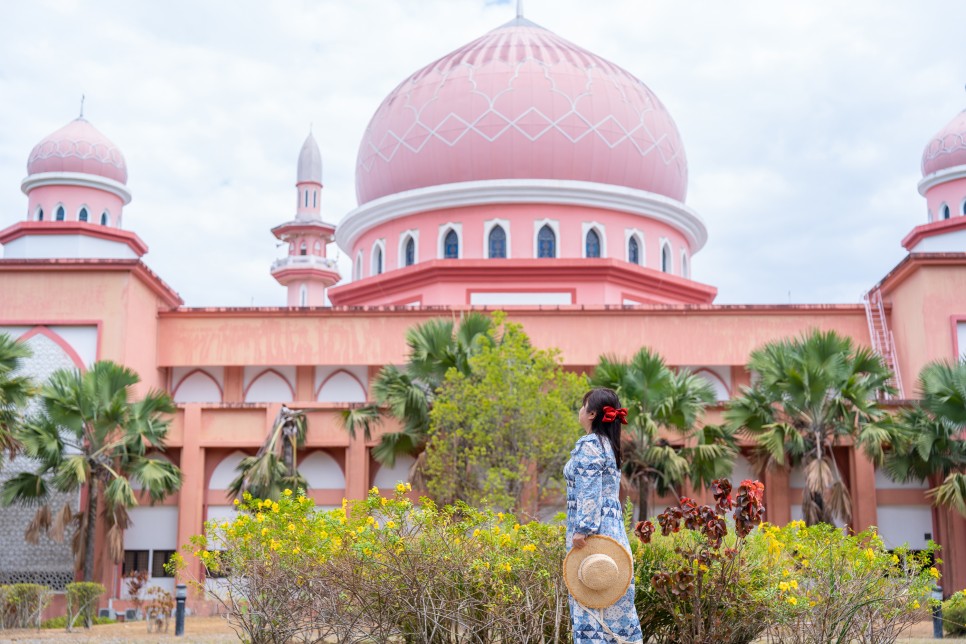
[804,122]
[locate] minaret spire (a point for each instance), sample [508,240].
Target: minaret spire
[519,8]
[82,107]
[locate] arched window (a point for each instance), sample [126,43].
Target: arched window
[451,245]
[962,208]
[303,249]
[306,198]
[60,213]
[105,218]
[410,252]
[546,242]
[685,268]
[633,251]
[315,198]
[377,260]
[497,243]
[40,214]
[593,243]
[358,275]
[303,295]
[82,215]
[666,258]
[944,211]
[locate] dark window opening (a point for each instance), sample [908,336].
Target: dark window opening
[159,561]
[546,243]
[593,244]
[103,218]
[378,261]
[40,214]
[410,252]
[633,251]
[497,243]
[134,561]
[82,215]
[60,213]
[451,245]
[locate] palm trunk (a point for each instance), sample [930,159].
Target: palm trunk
[288,454]
[642,494]
[90,530]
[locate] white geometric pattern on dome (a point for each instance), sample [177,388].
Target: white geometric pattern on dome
[78,149]
[948,143]
[451,139]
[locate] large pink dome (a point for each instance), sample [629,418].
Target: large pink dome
[521,103]
[78,147]
[947,148]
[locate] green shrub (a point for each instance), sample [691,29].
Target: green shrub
[82,598]
[23,604]
[954,614]
[61,622]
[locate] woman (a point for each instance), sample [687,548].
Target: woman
[593,480]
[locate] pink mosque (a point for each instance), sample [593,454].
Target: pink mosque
[519,172]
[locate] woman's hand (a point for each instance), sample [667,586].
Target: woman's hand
[580,540]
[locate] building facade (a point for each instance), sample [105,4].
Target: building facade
[518,172]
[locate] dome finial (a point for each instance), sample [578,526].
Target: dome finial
[82,107]
[519,8]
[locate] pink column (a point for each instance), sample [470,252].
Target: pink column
[862,476]
[192,494]
[778,502]
[357,468]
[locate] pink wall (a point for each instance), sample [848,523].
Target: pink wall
[521,233]
[952,193]
[72,198]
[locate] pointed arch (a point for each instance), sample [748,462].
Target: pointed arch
[685,264]
[387,477]
[450,241]
[226,471]
[106,218]
[594,240]
[197,386]
[667,263]
[546,233]
[83,214]
[408,248]
[721,389]
[321,471]
[944,211]
[358,266]
[378,257]
[496,239]
[269,386]
[59,213]
[58,340]
[39,214]
[341,387]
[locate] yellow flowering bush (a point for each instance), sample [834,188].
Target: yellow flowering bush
[845,587]
[385,567]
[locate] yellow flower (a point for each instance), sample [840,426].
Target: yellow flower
[476,533]
[804,563]
[792,601]
[507,567]
[934,573]
[915,605]
[275,506]
[392,524]
[295,550]
[793,583]
[274,544]
[401,488]
[869,554]
[384,501]
[370,521]
[260,517]
[236,501]
[516,526]
[703,568]
[287,492]
[496,529]
[374,490]
[291,527]
[264,531]
[499,515]
[529,548]
[895,559]
[783,586]
[361,529]
[785,573]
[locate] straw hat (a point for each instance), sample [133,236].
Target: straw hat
[598,574]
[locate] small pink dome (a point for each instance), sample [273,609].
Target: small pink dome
[521,103]
[78,147]
[947,148]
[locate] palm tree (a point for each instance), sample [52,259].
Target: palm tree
[274,469]
[928,438]
[406,393]
[88,432]
[809,395]
[660,398]
[15,391]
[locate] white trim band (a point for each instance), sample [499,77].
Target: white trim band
[941,176]
[517,191]
[81,179]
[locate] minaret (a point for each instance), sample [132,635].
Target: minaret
[305,270]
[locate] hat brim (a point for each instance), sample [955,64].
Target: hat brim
[598,544]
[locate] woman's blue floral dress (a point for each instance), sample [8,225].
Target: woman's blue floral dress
[593,508]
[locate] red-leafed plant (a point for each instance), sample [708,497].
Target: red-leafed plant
[698,581]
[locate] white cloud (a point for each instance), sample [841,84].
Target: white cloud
[803,122]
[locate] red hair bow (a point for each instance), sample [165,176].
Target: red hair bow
[611,414]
